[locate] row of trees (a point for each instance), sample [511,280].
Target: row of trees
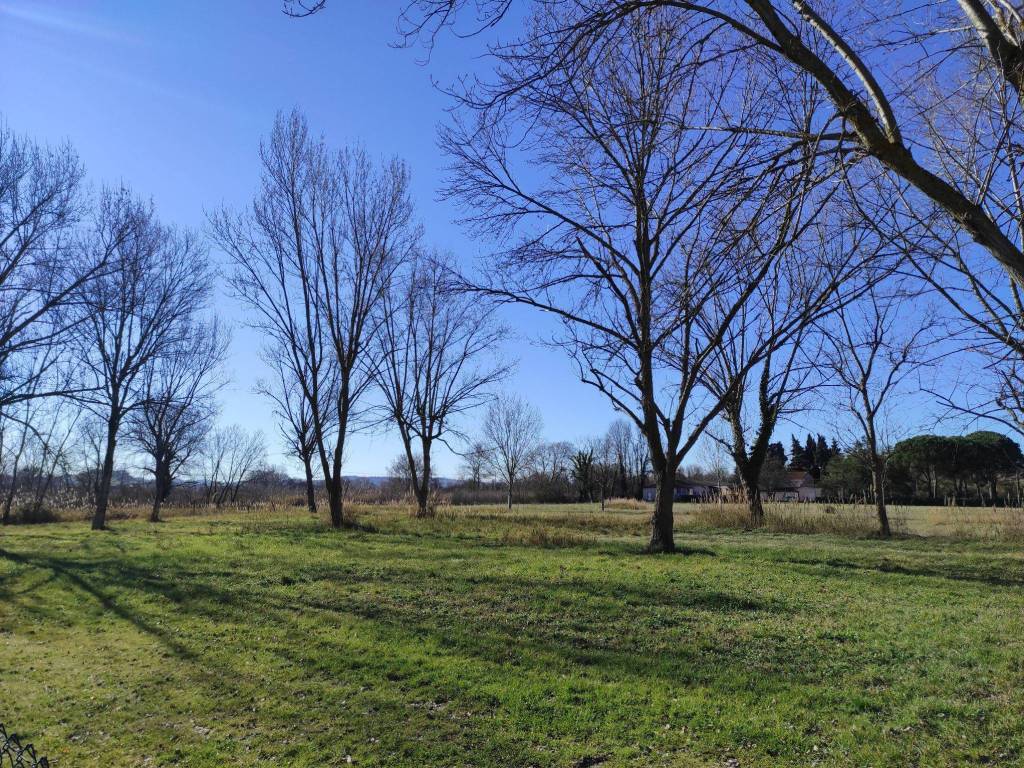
[729,203]
[108,309]
[718,201]
[362,323]
[107,338]
[510,450]
[937,468]
[52,456]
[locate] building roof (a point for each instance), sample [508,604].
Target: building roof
[799,478]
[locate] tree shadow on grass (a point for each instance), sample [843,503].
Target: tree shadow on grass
[70,572]
[492,619]
[421,620]
[980,575]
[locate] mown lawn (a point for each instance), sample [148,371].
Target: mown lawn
[540,639]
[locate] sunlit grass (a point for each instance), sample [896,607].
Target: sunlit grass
[482,638]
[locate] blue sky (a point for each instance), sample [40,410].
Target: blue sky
[173,99]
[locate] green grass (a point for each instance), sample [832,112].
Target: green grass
[541,638]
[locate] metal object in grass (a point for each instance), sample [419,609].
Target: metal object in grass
[14,755]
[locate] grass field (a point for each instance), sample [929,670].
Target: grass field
[482,638]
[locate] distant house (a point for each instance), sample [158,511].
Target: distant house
[798,485]
[685,490]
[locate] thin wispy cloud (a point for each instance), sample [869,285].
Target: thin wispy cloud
[55,20]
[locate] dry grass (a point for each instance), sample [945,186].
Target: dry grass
[963,523]
[631,505]
[839,520]
[550,524]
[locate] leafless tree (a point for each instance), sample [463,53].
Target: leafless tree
[313,262]
[44,261]
[603,467]
[140,310]
[475,461]
[827,268]
[892,75]
[89,448]
[872,346]
[553,460]
[15,435]
[232,455]
[295,416]
[628,454]
[435,362]
[927,93]
[178,405]
[512,433]
[639,235]
[49,452]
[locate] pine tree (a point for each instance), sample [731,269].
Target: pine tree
[798,458]
[822,453]
[810,452]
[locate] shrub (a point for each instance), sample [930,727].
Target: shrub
[34,514]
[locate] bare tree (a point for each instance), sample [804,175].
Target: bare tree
[44,261]
[295,415]
[139,311]
[826,269]
[435,362]
[313,262]
[511,432]
[50,452]
[628,455]
[178,405]
[892,78]
[475,461]
[603,470]
[871,348]
[232,455]
[640,234]
[553,460]
[90,446]
[926,95]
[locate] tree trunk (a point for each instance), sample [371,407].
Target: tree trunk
[878,486]
[751,490]
[99,518]
[335,502]
[161,488]
[307,461]
[754,504]
[9,501]
[510,495]
[662,539]
[422,490]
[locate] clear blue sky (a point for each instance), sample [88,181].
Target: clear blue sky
[172,99]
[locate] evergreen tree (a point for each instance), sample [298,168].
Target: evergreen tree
[810,452]
[798,458]
[822,453]
[777,453]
